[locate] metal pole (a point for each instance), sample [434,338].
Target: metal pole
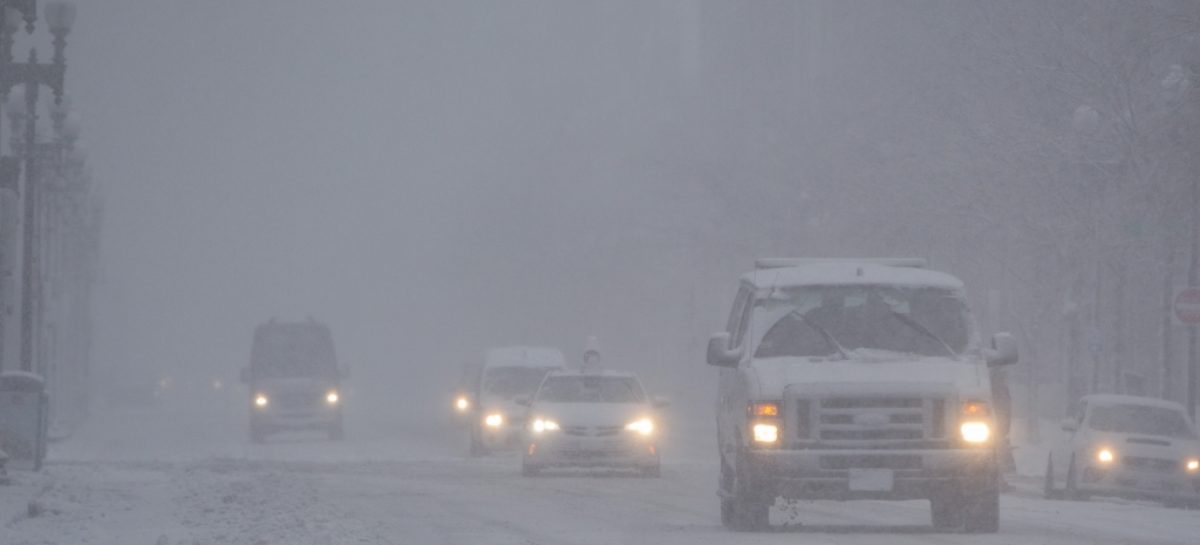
[1193,282]
[29,268]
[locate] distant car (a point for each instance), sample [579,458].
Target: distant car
[294,380]
[496,420]
[1124,446]
[592,419]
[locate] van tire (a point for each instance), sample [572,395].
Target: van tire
[751,508]
[981,512]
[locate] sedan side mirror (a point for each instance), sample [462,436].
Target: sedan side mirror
[523,401]
[660,402]
[719,353]
[1003,351]
[1069,424]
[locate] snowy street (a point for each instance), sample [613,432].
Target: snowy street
[391,483]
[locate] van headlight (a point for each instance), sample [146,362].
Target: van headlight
[643,426]
[541,425]
[975,433]
[462,404]
[1105,456]
[493,420]
[1192,465]
[261,401]
[332,397]
[766,434]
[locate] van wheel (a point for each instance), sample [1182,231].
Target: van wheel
[1073,492]
[944,512]
[751,508]
[725,491]
[1048,490]
[981,513]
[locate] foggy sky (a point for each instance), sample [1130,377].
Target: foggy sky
[431,178]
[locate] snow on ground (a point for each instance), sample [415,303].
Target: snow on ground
[178,478]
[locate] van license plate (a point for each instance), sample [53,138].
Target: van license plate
[871,480]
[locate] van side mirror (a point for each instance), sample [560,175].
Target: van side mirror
[719,353]
[660,401]
[523,401]
[245,375]
[1003,351]
[1069,424]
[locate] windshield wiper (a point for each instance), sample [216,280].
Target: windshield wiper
[908,320]
[828,337]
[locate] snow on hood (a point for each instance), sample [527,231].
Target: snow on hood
[866,367]
[592,414]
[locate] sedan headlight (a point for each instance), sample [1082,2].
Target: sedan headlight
[261,401]
[332,397]
[643,426]
[1105,456]
[462,404]
[1192,465]
[541,425]
[975,433]
[493,420]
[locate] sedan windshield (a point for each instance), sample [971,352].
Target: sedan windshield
[831,321]
[1141,419]
[584,389]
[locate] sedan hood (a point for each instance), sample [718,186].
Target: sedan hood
[592,414]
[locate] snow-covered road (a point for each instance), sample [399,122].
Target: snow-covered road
[393,483]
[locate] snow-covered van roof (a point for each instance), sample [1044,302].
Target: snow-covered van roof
[840,273]
[1114,399]
[524,356]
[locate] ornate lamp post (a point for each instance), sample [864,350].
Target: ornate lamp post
[59,18]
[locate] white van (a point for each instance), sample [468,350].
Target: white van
[856,379]
[507,374]
[294,380]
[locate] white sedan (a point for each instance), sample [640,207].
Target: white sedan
[1131,447]
[591,419]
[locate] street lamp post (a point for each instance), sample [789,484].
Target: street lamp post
[59,17]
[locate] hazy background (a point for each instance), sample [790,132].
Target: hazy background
[433,178]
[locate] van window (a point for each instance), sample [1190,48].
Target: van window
[293,351]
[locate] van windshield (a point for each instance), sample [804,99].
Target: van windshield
[510,382]
[294,352]
[833,320]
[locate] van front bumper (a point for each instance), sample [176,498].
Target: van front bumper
[872,474]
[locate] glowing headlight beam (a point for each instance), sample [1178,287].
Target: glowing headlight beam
[766,433]
[542,425]
[1192,465]
[1105,456]
[261,400]
[494,420]
[643,426]
[462,404]
[975,433]
[332,397]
